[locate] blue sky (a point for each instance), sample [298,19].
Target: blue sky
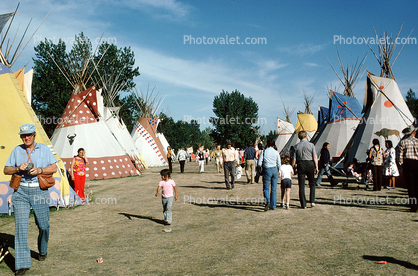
[296,36]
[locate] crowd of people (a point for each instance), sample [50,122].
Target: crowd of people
[303,160]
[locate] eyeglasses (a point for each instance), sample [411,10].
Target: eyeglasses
[23,136]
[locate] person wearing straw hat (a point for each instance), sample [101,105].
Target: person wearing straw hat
[408,159]
[28,160]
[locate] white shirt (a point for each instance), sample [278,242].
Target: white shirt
[286,171]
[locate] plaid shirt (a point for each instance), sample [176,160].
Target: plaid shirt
[408,149]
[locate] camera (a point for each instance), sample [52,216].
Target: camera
[29,167]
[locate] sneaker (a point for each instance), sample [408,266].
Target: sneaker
[312,205]
[287,207]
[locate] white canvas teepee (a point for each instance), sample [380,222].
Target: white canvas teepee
[145,133]
[119,130]
[385,111]
[285,129]
[385,116]
[164,142]
[306,122]
[145,137]
[112,86]
[83,127]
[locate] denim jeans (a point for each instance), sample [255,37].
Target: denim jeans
[167,203]
[270,178]
[329,175]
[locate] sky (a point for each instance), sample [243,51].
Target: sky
[271,51]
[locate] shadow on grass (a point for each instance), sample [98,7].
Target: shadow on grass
[203,187]
[369,202]
[6,242]
[130,216]
[255,207]
[391,260]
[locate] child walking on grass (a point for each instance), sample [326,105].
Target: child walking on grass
[167,186]
[285,174]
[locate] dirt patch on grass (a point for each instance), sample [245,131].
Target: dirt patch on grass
[225,232]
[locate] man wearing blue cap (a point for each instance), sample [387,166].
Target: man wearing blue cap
[28,160]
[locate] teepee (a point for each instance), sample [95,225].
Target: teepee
[344,112]
[285,128]
[323,118]
[385,116]
[15,110]
[83,126]
[144,132]
[306,122]
[386,51]
[344,116]
[110,114]
[385,111]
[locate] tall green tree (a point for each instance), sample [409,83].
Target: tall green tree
[235,117]
[412,102]
[117,62]
[51,89]
[180,134]
[271,135]
[206,139]
[129,111]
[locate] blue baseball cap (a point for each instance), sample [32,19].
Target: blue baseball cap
[27,129]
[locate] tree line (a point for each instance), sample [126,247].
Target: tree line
[235,115]
[52,89]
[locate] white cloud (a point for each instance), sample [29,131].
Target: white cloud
[311,64]
[302,49]
[168,9]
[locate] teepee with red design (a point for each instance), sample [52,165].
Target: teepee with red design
[83,127]
[144,132]
[147,142]
[344,112]
[385,116]
[386,113]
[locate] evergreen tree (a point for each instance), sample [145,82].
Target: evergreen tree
[51,89]
[412,102]
[235,117]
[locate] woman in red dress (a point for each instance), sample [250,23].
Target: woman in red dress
[78,172]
